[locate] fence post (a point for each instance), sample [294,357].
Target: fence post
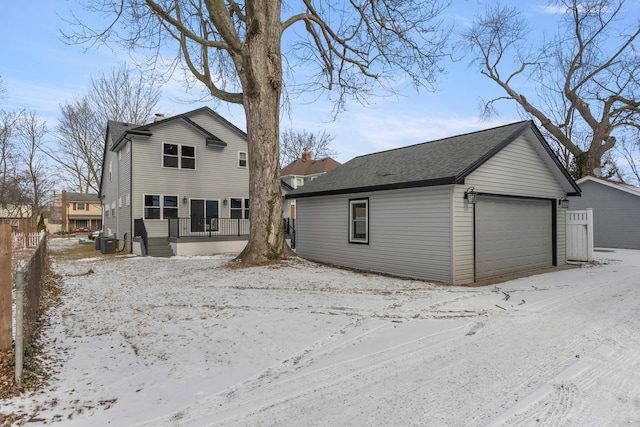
[589,234]
[5,287]
[19,350]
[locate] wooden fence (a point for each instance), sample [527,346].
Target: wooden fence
[24,240]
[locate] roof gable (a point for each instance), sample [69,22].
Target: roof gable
[630,189]
[439,162]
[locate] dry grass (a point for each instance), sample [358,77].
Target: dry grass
[35,372]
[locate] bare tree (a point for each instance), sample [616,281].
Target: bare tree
[122,95]
[36,176]
[9,183]
[293,143]
[235,49]
[80,144]
[586,76]
[629,151]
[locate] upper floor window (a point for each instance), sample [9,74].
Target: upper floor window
[242,159]
[178,156]
[81,206]
[299,182]
[359,221]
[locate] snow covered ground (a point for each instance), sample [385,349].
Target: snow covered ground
[188,341]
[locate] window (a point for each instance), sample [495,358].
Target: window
[188,159]
[242,159]
[81,206]
[110,170]
[120,201]
[113,208]
[238,210]
[81,223]
[299,182]
[128,199]
[160,207]
[178,156]
[359,221]
[170,207]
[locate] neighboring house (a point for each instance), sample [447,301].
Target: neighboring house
[176,186]
[616,212]
[18,215]
[299,172]
[456,210]
[81,212]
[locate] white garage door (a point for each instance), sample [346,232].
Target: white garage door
[512,235]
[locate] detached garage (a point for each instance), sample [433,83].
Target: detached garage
[616,212]
[456,210]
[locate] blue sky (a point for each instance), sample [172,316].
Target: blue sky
[40,72]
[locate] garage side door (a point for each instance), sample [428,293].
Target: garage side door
[512,235]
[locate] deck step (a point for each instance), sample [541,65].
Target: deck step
[159,247]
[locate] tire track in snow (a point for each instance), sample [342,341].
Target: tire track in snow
[285,382]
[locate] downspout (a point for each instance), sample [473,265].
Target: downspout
[131,195]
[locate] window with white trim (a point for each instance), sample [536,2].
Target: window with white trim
[242,159]
[239,208]
[160,206]
[359,221]
[113,208]
[178,156]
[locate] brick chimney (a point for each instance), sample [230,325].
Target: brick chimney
[306,155]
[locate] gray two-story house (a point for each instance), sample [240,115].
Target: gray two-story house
[176,186]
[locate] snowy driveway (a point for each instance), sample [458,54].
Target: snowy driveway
[188,341]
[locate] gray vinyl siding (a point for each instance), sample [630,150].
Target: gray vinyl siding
[518,170]
[124,187]
[463,260]
[561,235]
[409,232]
[616,215]
[109,190]
[216,177]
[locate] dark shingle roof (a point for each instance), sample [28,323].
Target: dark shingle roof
[444,161]
[82,197]
[118,129]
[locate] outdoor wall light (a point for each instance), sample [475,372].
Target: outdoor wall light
[471,195]
[184,200]
[564,203]
[225,201]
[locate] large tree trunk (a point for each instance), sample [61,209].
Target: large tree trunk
[262,87]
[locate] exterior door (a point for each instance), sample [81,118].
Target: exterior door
[204,214]
[197,215]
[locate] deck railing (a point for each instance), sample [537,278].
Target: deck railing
[208,227]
